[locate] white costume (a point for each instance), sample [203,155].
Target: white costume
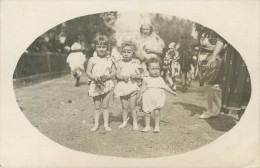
[76,60]
[101,66]
[127,68]
[153,96]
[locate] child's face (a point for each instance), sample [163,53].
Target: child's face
[146,30]
[127,53]
[154,69]
[101,50]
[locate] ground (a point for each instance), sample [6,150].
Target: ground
[64,113]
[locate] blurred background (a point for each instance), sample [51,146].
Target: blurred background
[46,57]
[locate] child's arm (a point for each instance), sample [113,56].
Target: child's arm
[113,72]
[138,71]
[166,87]
[142,89]
[138,74]
[88,71]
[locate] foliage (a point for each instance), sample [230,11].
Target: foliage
[82,29]
[172,28]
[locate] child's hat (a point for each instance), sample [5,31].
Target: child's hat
[172,45]
[75,46]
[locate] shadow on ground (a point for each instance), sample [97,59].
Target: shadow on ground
[221,122]
[194,109]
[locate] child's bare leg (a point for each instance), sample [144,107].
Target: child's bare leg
[105,101]
[147,122]
[168,76]
[96,120]
[174,87]
[124,101]
[112,97]
[97,103]
[134,111]
[106,118]
[157,120]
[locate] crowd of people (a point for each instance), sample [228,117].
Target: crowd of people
[138,72]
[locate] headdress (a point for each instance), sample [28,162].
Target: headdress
[129,43]
[75,46]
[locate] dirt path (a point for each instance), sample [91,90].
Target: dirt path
[65,114]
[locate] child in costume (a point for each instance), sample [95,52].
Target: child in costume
[101,70]
[153,96]
[76,60]
[128,76]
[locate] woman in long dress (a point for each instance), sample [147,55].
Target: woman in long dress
[236,85]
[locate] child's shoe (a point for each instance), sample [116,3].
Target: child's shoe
[108,129]
[123,125]
[95,128]
[204,115]
[174,87]
[208,115]
[156,129]
[146,129]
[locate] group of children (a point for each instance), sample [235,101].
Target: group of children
[131,85]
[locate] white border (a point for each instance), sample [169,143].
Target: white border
[22,21]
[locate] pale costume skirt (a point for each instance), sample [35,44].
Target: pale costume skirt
[153,98]
[95,90]
[123,89]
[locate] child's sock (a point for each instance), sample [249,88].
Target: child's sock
[157,121]
[147,123]
[123,125]
[134,116]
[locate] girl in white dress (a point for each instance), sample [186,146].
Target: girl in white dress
[153,96]
[149,45]
[128,74]
[101,70]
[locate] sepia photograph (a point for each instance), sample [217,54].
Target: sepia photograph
[132,85]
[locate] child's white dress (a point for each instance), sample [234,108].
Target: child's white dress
[153,96]
[101,66]
[76,62]
[127,68]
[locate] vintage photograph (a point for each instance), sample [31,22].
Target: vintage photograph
[132,84]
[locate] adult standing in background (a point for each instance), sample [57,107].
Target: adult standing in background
[236,85]
[212,46]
